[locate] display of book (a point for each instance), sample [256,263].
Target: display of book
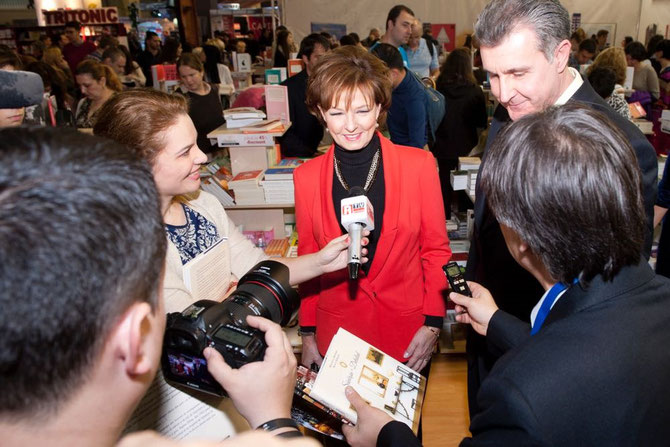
[381,380]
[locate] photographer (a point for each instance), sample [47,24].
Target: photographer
[591,369]
[83,250]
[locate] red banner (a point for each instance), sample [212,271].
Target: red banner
[445,34]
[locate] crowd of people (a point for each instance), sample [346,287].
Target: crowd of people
[567,200]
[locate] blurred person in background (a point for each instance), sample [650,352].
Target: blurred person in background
[422,55]
[613,59]
[204,101]
[464,120]
[150,56]
[97,83]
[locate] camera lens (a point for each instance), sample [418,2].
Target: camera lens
[265,290]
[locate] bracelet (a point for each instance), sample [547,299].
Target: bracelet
[274,424]
[290,434]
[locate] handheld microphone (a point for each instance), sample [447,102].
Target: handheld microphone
[356,213]
[20,89]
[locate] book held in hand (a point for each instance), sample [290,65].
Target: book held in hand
[381,380]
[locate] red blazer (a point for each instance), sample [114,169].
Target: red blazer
[405,281]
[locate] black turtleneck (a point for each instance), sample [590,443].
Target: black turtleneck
[355,166]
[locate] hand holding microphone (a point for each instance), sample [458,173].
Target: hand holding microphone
[356,214]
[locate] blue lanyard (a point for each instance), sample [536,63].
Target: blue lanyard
[549,300]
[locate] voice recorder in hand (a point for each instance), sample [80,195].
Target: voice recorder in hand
[456,279]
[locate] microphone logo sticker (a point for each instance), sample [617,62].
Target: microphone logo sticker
[346,209]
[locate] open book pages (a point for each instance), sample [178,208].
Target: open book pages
[381,380]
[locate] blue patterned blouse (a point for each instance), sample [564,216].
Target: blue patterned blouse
[193,238]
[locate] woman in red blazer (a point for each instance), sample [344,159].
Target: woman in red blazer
[397,303]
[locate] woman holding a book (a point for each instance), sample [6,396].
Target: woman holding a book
[204,246]
[397,303]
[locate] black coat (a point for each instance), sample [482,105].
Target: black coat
[306,132]
[597,373]
[466,111]
[490,263]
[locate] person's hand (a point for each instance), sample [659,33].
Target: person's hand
[310,352]
[420,349]
[370,421]
[261,391]
[476,311]
[333,256]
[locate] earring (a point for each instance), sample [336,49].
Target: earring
[377,125]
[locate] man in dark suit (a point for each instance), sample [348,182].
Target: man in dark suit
[306,132]
[588,370]
[525,48]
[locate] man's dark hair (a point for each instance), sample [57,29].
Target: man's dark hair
[395,12]
[107,41]
[355,37]
[113,53]
[602,32]
[567,181]
[81,238]
[627,40]
[588,45]
[308,43]
[664,48]
[347,40]
[653,43]
[389,55]
[9,57]
[147,36]
[73,24]
[636,51]
[602,79]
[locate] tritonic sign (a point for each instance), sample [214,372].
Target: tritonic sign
[97,16]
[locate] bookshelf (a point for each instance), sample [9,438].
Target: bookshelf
[258,216]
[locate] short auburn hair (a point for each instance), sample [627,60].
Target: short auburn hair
[340,73]
[138,119]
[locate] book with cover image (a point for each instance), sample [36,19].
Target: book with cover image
[311,413]
[381,380]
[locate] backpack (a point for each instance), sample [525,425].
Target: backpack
[431,47]
[436,105]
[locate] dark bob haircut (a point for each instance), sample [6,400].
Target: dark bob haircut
[568,183]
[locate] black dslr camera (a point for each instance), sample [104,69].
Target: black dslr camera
[264,291]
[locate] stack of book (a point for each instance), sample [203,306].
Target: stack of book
[242,116]
[277,248]
[471,184]
[459,180]
[214,180]
[247,188]
[278,185]
[469,163]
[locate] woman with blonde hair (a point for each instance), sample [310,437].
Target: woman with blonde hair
[53,57]
[614,59]
[97,83]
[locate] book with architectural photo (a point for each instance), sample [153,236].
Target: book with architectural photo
[381,380]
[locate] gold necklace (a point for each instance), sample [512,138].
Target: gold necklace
[372,173]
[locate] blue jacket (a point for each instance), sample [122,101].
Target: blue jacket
[407,115]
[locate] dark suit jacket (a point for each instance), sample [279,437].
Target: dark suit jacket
[305,133]
[597,373]
[490,263]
